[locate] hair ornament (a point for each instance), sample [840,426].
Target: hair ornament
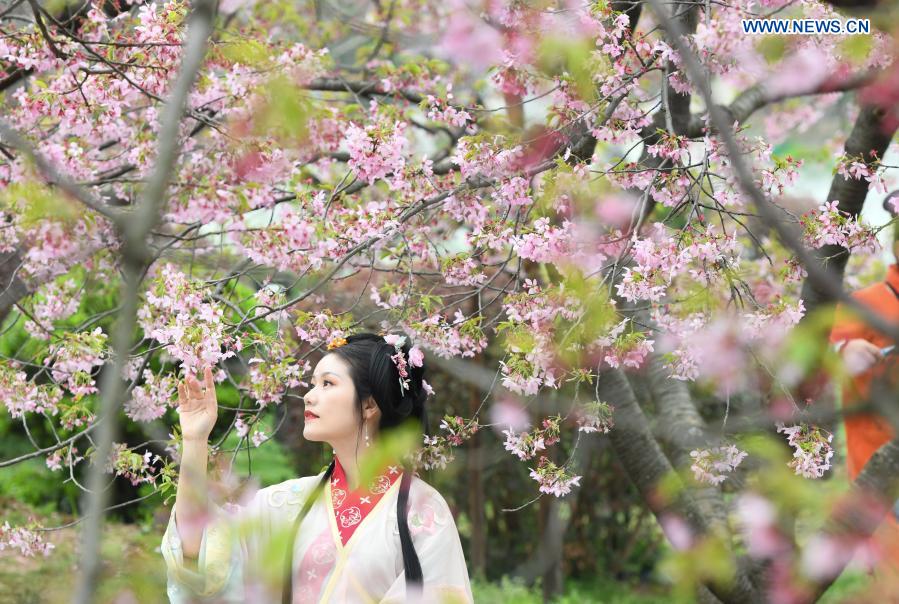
[336,343]
[399,360]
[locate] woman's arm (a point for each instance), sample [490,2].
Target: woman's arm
[198,407]
[191,500]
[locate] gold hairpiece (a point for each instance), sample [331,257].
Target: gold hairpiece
[336,343]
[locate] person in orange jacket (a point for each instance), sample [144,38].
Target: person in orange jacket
[871,360]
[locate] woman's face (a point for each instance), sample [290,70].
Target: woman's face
[330,406]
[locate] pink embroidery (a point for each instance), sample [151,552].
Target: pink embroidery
[314,568]
[423,521]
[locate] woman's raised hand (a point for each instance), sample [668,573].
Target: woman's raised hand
[198,406]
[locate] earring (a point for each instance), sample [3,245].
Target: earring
[367,441]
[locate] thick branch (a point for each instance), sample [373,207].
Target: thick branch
[684,430]
[868,140]
[674,114]
[647,467]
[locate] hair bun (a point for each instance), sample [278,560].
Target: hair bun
[376,374]
[891,203]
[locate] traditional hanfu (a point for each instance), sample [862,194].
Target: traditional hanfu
[346,549]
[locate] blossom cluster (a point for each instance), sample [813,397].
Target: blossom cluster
[52,302]
[831,226]
[378,151]
[437,450]
[553,479]
[812,450]
[855,168]
[621,348]
[462,336]
[150,400]
[712,466]
[20,395]
[441,109]
[458,429]
[660,258]
[242,428]
[135,467]
[178,315]
[74,359]
[595,416]
[718,350]
[532,315]
[526,444]
[68,453]
[29,542]
[269,380]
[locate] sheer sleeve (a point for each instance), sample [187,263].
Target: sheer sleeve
[218,574]
[439,550]
[227,562]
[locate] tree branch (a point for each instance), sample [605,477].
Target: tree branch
[135,232]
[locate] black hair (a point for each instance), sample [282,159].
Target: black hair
[888,206]
[375,375]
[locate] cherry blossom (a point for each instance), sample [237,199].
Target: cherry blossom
[812,449]
[711,466]
[553,480]
[27,541]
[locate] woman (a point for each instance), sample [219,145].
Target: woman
[323,538]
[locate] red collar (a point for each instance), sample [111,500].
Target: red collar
[351,507]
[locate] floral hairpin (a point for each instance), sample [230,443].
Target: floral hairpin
[415,359]
[399,360]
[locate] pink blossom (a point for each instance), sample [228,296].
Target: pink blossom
[758,518]
[468,39]
[258,437]
[553,480]
[177,315]
[800,72]
[375,155]
[150,400]
[678,532]
[508,412]
[73,360]
[29,542]
[812,449]
[22,396]
[416,357]
[711,466]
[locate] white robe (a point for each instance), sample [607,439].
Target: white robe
[242,553]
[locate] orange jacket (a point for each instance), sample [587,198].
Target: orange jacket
[865,433]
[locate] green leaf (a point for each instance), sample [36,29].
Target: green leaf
[246,52]
[287,111]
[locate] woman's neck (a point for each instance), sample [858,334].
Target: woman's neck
[347,457]
[350,457]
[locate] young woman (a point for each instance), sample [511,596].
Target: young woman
[324,538]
